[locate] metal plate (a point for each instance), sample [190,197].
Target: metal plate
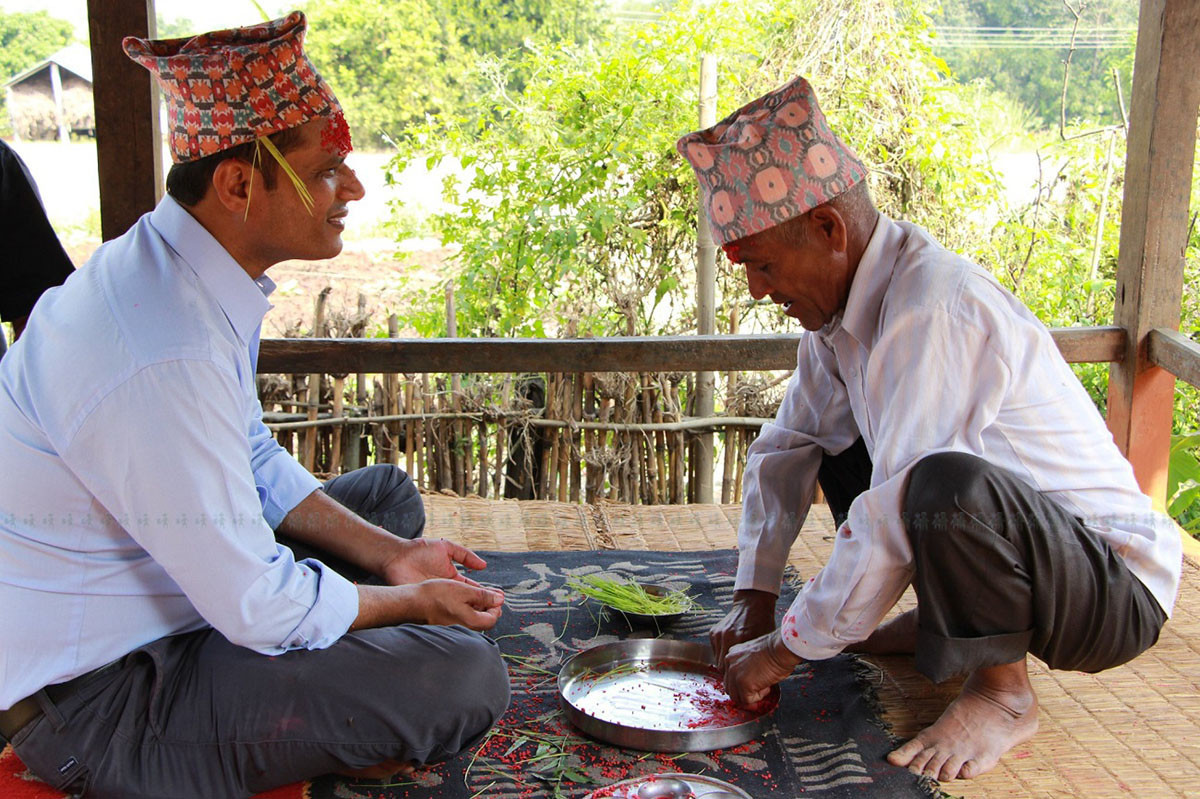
[657,695]
[670,786]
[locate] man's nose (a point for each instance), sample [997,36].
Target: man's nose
[758,284]
[351,188]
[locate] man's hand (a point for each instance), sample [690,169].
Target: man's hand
[426,559]
[753,667]
[436,601]
[752,615]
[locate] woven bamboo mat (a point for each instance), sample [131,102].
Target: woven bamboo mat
[1131,731]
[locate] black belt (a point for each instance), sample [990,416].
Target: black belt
[27,710]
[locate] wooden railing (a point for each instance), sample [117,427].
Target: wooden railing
[636,440]
[1176,353]
[614,354]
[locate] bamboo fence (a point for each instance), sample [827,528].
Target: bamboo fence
[577,437]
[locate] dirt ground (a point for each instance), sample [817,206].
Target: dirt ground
[66,178]
[369,267]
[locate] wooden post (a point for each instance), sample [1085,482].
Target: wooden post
[730,432]
[314,387]
[391,406]
[453,439]
[1154,227]
[356,448]
[706,292]
[128,146]
[339,410]
[60,113]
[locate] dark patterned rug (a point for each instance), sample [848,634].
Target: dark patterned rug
[826,740]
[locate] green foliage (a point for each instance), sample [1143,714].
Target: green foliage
[501,28]
[1183,487]
[28,37]
[175,28]
[575,215]
[393,62]
[25,39]
[1034,77]
[389,61]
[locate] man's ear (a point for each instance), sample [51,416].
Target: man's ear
[233,182]
[829,226]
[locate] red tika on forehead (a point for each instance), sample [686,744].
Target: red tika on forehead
[335,138]
[731,252]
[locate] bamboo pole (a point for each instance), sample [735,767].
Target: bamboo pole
[542,486]
[420,463]
[742,445]
[706,291]
[339,403]
[502,439]
[356,449]
[483,459]
[453,443]
[576,435]
[566,406]
[634,470]
[446,472]
[731,382]
[589,437]
[309,457]
[410,428]
[602,470]
[391,399]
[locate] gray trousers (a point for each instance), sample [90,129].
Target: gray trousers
[1002,570]
[193,716]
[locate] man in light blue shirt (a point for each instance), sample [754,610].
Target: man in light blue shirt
[144,577]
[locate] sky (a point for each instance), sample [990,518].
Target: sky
[207,15]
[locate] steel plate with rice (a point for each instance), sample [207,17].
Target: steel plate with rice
[657,695]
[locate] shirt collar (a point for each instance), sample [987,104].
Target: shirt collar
[243,300]
[861,315]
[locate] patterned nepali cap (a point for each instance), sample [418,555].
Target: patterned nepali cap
[234,86]
[769,161]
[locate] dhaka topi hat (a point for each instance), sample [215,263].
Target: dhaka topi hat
[240,85]
[771,160]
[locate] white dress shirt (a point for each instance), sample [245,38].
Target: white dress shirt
[930,355]
[139,487]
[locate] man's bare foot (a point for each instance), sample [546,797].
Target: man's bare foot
[996,710]
[896,636]
[381,771]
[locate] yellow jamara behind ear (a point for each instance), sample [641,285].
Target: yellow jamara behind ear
[301,189]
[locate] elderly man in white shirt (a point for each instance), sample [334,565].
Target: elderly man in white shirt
[956,448]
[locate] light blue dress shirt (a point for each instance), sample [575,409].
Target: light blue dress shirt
[139,487]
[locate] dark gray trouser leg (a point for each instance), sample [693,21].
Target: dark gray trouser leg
[382,494]
[193,715]
[1001,570]
[843,477]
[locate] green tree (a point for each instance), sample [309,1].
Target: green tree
[390,62]
[575,212]
[1034,76]
[500,27]
[175,28]
[25,39]
[28,37]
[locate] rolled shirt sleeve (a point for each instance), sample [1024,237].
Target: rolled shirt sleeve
[281,480]
[782,463]
[185,488]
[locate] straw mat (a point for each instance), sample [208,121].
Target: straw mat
[1131,731]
